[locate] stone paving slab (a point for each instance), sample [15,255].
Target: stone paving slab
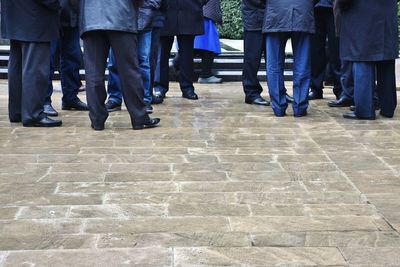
[220,183]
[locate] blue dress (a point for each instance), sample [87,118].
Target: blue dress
[210,39]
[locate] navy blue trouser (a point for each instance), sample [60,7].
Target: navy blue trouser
[325,30]
[69,50]
[276,43]
[365,75]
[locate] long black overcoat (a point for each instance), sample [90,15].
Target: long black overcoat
[369,31]
[30,20]
[184,17]
[289,16]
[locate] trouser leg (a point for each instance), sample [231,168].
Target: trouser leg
[207,61]
[318,55]
[70,61]
[364,86]
[254,45]
[114,87]
[144,49]
[125,48]
[15,81]
[386,87]
[54,52]
[154,56]
[186,53]
[35,76]
[97,48]
[346,79]
[163,79]
[276,43]
[301,71]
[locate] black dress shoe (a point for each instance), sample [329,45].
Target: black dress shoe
[45,122]
[190,95]
[97,127]
[342,102]
[257,101]
[353,108]
[150,124]
[74,105]
[49,110]
[157,100]
[314,94]
[353,116]
[289,98]
[299,115]
[112,106]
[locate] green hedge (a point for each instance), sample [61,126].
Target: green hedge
[232,27]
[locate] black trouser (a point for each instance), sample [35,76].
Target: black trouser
[325,29]
[124,45]
[254,48]
[207,61]
[186,54]
[28,73]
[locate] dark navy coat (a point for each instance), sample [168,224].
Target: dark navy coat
[146,14]
[184,17]
[289,16]
[115,15]
[253,14]
[69,13]
[324,3]
[369,31]
[30,20]
[213,11]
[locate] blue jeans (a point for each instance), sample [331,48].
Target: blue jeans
[276,43]
[114,83]
[69,50]
[365,75]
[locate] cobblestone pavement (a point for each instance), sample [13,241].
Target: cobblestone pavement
[220,183]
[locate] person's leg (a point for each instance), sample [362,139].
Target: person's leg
[161,83]
[70,61]
[15,81]
[114,87]
[347,85]
[35,76]
[154,55]
[54,51]
[276,43]
[97,47]
[386,89]
[301,43]
[364,86]
[254,44]
[207,61]
[186,72]
[333,47]
[144,48]
[318,56]
[125,49]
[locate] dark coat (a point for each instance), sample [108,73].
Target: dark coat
[324,3]
[146,14]
[253,14]
[160,14]
[369,31]
[115,15]
[212,10]
[289,16]
[184,17]
[30,20]
[69,13]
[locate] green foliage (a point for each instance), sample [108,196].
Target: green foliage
[232,27]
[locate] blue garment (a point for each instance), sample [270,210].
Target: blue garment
[346,79]
[365,75]
[209,41]
[70,61]
[276,43]
[114,83]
